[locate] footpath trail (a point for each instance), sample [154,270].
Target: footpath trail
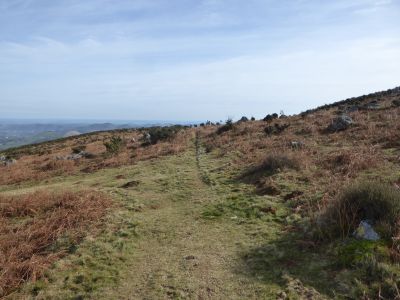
[178,253]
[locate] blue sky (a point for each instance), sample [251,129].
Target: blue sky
[187,59]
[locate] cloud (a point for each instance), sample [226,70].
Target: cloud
[191,59]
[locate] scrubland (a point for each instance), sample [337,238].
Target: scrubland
[260,209]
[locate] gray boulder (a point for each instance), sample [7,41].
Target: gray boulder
[340,123]
[296,145]
[366,232]
[7,161]
[146,138]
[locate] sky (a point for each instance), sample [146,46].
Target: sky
[192,59]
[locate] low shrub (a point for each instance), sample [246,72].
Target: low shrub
[376,202]
[226,127]
[115,145]
[275,129]
[158,134]
[61,166]
[271,165]
[269,118]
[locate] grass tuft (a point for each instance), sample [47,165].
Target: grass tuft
[376,202]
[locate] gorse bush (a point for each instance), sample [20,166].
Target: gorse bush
[114,146]
[226,127]
[376,202]
[157,134]
[275,129]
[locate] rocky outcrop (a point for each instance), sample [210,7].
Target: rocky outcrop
[5,161]
[340,123]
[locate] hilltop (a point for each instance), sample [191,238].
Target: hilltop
[255,209]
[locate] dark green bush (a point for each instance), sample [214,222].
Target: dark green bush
[157,134]
[275,129]
[115,145]
[226,127]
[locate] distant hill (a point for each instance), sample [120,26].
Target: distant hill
[14,133]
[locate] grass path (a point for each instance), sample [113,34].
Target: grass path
[178,253]
[170,239]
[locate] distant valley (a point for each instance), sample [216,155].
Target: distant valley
[14,133]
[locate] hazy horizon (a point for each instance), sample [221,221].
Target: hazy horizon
[191,60]
[85,121]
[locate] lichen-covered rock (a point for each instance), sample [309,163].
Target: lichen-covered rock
[5,161]
[366,232]
[341,123]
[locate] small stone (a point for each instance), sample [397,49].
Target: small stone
[297,145]
[366,232]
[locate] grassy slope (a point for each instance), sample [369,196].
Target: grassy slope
[168,239]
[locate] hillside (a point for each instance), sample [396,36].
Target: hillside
[262,209]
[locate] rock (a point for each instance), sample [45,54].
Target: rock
[146,138]
[366,232]
[297,145]
[130,184]
[190,257]
[9,162]
[5,161]
[86,154]
[341,123]
[74,156]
